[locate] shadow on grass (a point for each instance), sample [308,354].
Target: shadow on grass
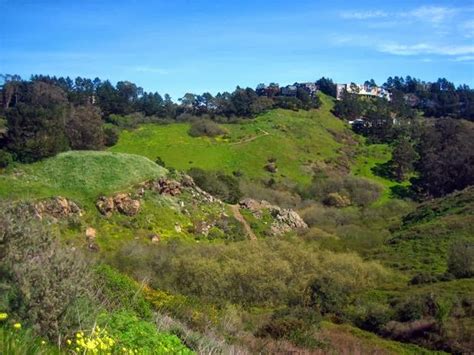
[402,192]
[384,170]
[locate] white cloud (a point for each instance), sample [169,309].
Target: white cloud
[433,14]
[363,15]
[464,58]
[425,48]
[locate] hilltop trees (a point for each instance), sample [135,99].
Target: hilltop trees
[36,121]
[446,161]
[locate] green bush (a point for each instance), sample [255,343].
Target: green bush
[266,272]
[134,333]
[205,127]
[111,134]
[118,291]
[125,121]
[42,280]
[461,259]
[218,184]
[5,158]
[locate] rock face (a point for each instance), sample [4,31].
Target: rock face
[163,186]
[284,220]
[57,207]
[121,203]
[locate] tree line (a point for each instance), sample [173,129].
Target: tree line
[45,115]
[428,126]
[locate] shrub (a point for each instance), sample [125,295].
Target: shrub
[360,191]
[125,121]
[267,272]
[335,199]
[5,158]
[42,278]
[133,333]
[160,161]
[374,317]
[328,296]
[205,127]
[218,184]
[118,291]
[111,135]
[461,259]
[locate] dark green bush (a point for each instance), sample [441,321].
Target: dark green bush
[5,158]
[160,161]
[111,135]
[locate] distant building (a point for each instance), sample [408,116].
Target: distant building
[310,88]
[289,90]
[363,90]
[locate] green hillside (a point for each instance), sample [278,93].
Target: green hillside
[80,175]
[422,243]
[295,139]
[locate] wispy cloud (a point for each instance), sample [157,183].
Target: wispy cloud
[433,14]
[465,58]
[147,69]
[363,15]
[425,48]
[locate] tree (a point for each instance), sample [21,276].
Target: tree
[446,161]
[84,128]
[36,123]
[327,86]
[349,107]
[403,158]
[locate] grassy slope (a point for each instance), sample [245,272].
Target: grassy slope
[421,245]
[79,175]
[295,139]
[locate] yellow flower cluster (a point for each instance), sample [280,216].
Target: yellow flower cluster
[3,316]
[97,342]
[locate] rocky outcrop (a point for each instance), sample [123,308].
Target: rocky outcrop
[284,220]
[163,186]
[126,205]
[57,207]
[122,203]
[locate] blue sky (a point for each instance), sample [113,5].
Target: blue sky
[182,46]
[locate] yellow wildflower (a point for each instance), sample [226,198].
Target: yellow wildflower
[17,325]
[69,342]
[3,316]
[43,342]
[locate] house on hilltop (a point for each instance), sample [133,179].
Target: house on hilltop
[363,90]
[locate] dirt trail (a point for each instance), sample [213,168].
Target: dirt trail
[265,133]
[238,216]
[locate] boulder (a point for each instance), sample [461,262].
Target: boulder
[91,233]
[284,220]
[163,186]
[126,205]
[105,205]
[121,202]
[271,167]
[155,238]
[57,207]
